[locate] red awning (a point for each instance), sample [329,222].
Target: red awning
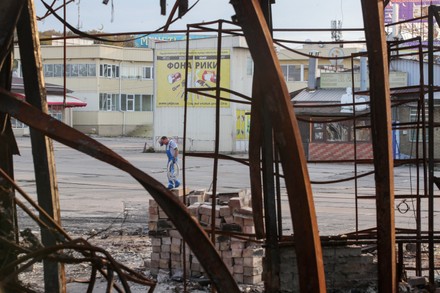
[70,101]
[58,100]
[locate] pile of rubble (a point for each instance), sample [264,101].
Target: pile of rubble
[242,256]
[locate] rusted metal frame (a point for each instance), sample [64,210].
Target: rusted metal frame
[170,17]
[298,105]
[55,227]
[288,140]
[272,254]
[433,11]
[64,54]
[356,198]
[33,216]
[9,14]
[125,274]
[42,148]
[278,177]
[269,217]
[48,12]
[258,168]
[185,126]
[203,93]
[217,131]
[255,142]
[421,107]
[190,230]
[203,25]
[373,15]
[198,90]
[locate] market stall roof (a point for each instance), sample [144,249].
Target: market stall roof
[58,100]
[55,94]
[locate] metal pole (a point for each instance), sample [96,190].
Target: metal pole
[9,13]
[42,147]
[373,14]
[432,10]
[185,125]
[272,259]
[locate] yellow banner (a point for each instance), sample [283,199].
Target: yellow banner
[202,73]
[242,124]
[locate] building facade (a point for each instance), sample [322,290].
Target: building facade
[115,82]
[140,91]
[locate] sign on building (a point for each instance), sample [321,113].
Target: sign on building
[202,74]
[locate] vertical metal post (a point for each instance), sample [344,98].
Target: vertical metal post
[431,158]
[9,14]
[8,147]
[185,125]
[42,147]
[272,259]
[373,14]
[288,139]
[356,195]
[217,129]
[421,109]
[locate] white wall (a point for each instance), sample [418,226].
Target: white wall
[200,136]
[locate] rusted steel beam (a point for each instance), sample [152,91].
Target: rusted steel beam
[433,13]
[42,149]
[373,14]
[272,255]
[255,142]
[288,140]
[262,145]
[190,230]
[9,13]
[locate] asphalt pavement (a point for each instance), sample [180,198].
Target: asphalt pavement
[94,194]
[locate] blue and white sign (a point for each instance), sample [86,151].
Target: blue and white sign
[142,41]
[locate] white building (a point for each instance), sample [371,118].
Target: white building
[115,82]
[123,87]
[236,72]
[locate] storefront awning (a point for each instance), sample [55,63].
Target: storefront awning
[53,100]
[58,100]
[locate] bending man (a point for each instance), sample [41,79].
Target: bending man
[173,154]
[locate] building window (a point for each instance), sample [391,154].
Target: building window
[341,131]
[337,131]
[292,72]
[147,102]
[318,132]
[91,69]
[109,102]
[147,72]
[108,70]
[137,72]
[73,70]
[49,70]
[413,117]
[127,102]
[58,70]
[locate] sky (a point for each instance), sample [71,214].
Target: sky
[144,15]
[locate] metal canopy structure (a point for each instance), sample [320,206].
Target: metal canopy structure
[275,143]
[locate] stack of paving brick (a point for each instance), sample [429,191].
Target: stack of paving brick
[232,213]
